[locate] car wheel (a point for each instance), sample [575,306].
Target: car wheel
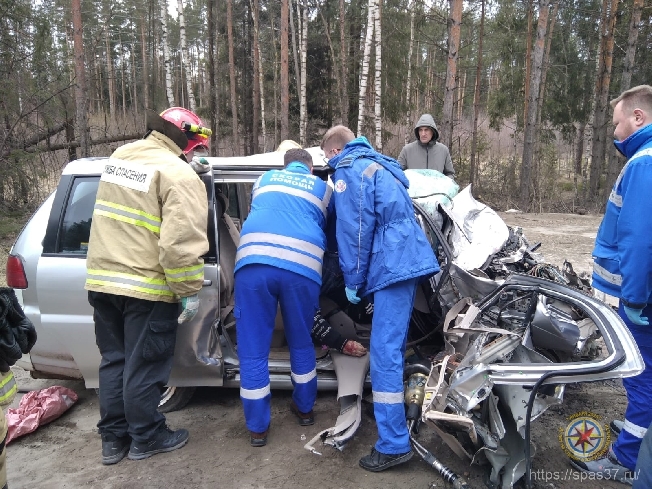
[175,398]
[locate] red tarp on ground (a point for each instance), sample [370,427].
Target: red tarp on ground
[37,408]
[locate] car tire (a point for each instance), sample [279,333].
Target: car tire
[175,398]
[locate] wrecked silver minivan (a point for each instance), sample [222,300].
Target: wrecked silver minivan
[490,346]
[493,340]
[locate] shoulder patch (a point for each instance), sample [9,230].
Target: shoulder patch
[340,186]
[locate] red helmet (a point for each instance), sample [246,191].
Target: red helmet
[191,125]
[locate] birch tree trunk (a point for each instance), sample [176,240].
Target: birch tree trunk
[365,64]
[261,80]
[343,65]
[234,96]
[535,83]
[122,79]
[304,51]
[185,57]
[378,80]
[285,85]
[81,88]
[408,81]
[166,52]
[474,170]
[454,28]
[110,74]
[257,79]
[598,143]
[295,54]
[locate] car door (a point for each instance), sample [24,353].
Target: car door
[66,316]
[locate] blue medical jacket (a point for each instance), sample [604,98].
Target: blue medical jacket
[623,246]
[378,237]
[285,227]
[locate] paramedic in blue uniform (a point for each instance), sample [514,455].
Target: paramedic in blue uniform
[279,261]
[383,252]
[623,268]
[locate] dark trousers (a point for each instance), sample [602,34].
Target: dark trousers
[136,339]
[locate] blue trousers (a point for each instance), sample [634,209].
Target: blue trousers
[391,319]
[259,289]
[638,414]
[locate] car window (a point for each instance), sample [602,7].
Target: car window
[76,223]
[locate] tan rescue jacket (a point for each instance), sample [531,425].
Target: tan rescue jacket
[149,224]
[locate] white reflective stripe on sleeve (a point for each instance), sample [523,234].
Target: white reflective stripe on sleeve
[616,199]
[292,191]
[605,274]
[279,239]
[635,430]
[282,253]
[304,378]
[371,169]
[254,394]
[388,397]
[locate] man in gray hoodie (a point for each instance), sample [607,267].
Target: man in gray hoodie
[426,152]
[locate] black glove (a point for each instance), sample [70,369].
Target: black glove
[22,328]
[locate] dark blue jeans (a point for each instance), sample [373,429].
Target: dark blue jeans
[136,339]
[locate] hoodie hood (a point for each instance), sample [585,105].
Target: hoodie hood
[360,148]
[426,120]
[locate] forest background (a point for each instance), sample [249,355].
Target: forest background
[520,89]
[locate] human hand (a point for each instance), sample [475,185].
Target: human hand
[190,307]
[354,349]
[634,316]
[352,295]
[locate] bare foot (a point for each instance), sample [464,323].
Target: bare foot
[354,349]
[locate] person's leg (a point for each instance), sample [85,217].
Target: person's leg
[255,309]
[643,473]
[150,337]
[299,298]
[109,336]
[391,319]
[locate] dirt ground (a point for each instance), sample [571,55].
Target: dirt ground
[66,453]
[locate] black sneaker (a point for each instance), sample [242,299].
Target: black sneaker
[377,461]
[305,419]
[165,440]
[114,449]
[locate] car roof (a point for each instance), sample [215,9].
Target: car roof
[262,161]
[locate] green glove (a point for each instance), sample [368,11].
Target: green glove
[190,307]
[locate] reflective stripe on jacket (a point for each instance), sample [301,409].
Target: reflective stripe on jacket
[285,228]
[378,237]
[623,246]
[8,388]
[149,224]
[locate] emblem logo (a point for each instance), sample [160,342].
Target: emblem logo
[340,186]
[584,438]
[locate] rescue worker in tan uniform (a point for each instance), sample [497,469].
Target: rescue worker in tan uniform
[148,235]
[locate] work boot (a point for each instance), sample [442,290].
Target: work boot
[606,468]
[616,426]
[305,419]
[258,439]
[165,440]
[114,449]
[377,462]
